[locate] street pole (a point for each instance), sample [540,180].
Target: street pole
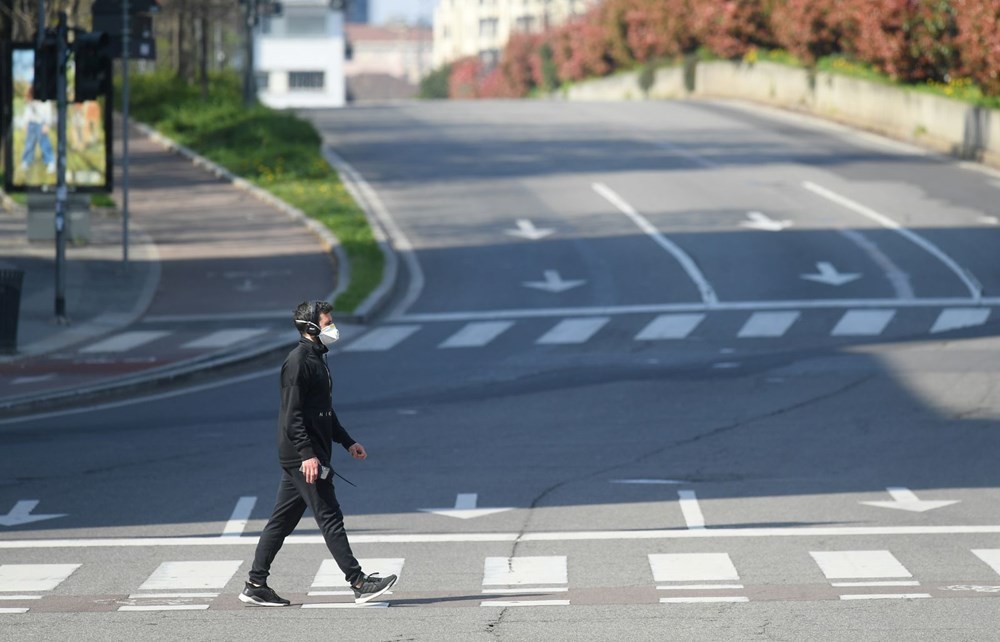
[249,80]
[126,29]
[60,218]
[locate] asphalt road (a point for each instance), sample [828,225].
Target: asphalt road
[724,373]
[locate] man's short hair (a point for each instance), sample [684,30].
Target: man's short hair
[309,312]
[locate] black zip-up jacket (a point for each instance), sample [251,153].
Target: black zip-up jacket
[307,424]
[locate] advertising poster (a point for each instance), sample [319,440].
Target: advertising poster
[31,145]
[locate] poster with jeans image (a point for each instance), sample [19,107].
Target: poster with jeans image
[32,143]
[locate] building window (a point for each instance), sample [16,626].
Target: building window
[306,80]
[305,25]
[488,28]
[489,57]
[525,23]
[262,78]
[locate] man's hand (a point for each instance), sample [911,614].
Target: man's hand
[358,451]
[310,469]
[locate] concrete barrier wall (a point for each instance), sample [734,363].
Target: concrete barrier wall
[933,121]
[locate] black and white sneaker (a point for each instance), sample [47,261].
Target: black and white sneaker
[261,596]
[369,587]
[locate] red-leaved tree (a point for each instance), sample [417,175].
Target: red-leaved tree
[911,40]
[809,29]
[464,79]
[978,40]
[730,28]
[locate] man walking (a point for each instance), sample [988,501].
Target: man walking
[307,427]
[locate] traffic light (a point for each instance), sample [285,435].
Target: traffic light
[93,65]
[44,84]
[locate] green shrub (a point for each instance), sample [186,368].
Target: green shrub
[274,149]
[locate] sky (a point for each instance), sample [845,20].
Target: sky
[411,10]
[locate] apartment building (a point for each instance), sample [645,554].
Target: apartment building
[299,56]
[482,27]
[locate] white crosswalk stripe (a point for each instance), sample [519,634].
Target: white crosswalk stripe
[18,579]
[768,324]
[958,318]
[863,323]
[508,575]
[670,326]
[125,341]
[573,331]
[475,335]
[989,555]
[224,338]
[842,565]
[381,339]
[191,575]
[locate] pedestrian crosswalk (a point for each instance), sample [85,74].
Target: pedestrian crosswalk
[536,580]
[762,325]
[582,329]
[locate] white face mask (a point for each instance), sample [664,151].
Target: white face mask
[329,335]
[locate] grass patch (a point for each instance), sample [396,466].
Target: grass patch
[273,149]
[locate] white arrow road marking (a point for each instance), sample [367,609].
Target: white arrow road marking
[465,508]
[905,499]
[246,286]
[21,514]
[692,512]
[830,276]
[527,230]
[553,283]
[761,221]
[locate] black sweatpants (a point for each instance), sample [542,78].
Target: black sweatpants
[294,494]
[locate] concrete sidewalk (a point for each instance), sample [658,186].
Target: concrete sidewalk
[213,276]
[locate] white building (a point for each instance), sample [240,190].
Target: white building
[387,61]
[299,56]
[482,27]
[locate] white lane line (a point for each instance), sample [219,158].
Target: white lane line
[957,318]
[863,323]
[843,565]
[476,335]
[330,575]
[693,567]
[191,575]
[238,520]
[336,593]
[666,308]
[125,341]
[670,326]
[899,279]
[572,331]
[885,596]
[224,338]
[768,324]
[504,591]
[401,245]
[699,587]
[171,596]
[975,289]
[347,605]
[12,598]
[690,509]
[553,536]
[708,295]
[164,607]
[515,603]
[19,381]
[515,571]
[383,338]
[702,600]
[989,555]
[889,583]
[34,577]
[13,611]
